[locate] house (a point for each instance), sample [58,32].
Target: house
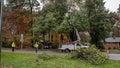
[112,43]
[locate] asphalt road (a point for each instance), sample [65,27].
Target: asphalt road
[114,56]
[32,51]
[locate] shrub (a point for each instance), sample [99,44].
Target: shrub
[92,54]
[45,56]
[6,45]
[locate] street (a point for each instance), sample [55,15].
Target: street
[114,56]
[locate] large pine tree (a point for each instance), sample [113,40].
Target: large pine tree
[97,19]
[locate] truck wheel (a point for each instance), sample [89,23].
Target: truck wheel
[67,50]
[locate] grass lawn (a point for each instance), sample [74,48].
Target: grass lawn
[18,60]
[115,51]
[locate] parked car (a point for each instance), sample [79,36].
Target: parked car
[47,46]
[71,47]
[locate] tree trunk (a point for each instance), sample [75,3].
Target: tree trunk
[43,41]
[30,6]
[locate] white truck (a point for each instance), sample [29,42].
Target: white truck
[71,47]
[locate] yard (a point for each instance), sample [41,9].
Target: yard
[18,60]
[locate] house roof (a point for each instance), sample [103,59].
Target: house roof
[111,39]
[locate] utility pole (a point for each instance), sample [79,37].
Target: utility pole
[1,1]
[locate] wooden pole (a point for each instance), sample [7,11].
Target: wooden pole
[1,1]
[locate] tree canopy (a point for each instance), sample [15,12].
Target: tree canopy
[59,16]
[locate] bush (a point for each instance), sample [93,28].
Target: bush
[92,54]
[6,45]
[45,56]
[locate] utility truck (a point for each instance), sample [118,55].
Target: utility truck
[72,46]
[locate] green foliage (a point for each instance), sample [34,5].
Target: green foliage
[13,4]
[50,18]
[76,20]
[79,20]
[92,17]
[97,17]
[118,9]
[91,54]
[64,27]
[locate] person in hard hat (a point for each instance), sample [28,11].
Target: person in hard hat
[13,46]
[36,47]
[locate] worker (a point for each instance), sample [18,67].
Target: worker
[13,46]
[36,47]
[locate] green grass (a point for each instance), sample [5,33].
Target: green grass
[18,60]
[115,51]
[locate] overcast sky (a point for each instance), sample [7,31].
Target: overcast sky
[112,5]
